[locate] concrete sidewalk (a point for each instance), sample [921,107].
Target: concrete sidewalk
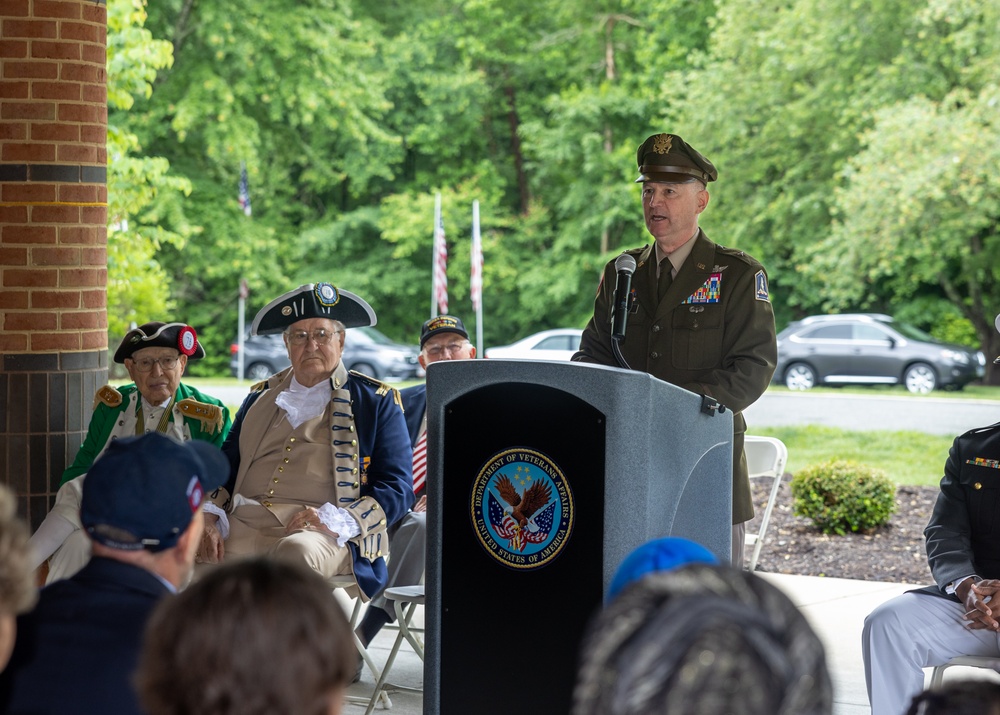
[835,607]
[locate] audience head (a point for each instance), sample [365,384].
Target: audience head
[142,501]
[444,338]
[658,555]
[17,586]
[204,650]
[155,355]
[959,697]
[702,640]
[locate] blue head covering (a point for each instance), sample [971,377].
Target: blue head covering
[664,554]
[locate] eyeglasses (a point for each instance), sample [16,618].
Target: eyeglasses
[321,336]
[436,351]
[146,364]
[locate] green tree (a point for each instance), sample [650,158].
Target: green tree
[138,286]
[919,214]
[778,103]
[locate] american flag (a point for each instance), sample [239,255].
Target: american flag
[440,275]
[543,520]
[504,524]
[244,190]
[476,281]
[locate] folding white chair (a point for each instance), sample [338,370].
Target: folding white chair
[405,600]
[350,586]
[971,661]
[766,457]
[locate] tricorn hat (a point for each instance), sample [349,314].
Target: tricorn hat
[668,158]
[160,335]
[313,300]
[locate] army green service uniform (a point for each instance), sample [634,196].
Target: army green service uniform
[713,333]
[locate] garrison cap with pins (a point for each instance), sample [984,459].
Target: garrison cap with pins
[670,159]
[313,300]
[160,335]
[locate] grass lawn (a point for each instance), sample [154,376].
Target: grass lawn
[969,392]
[908,458]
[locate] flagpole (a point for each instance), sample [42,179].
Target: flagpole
[476,281]
[434,250]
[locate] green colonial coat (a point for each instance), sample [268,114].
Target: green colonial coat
[108,422]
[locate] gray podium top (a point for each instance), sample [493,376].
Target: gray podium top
[668,464]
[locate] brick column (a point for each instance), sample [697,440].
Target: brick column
[53,237]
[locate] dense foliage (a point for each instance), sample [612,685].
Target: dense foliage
[855,144]
[841,496]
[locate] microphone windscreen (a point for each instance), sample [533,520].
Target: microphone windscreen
[625,264]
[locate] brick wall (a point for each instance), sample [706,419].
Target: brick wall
[53,237]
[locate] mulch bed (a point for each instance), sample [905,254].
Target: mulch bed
[894,552]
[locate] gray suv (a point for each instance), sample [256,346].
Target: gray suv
[871,349]
[366,350]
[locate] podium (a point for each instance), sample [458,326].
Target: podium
[542,477]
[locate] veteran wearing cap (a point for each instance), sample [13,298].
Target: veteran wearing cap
[76,652]
[700,315]
[321,462]
[441,338]
[155,355]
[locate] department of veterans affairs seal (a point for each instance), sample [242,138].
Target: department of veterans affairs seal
[522,508]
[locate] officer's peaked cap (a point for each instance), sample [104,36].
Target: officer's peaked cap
[668,158]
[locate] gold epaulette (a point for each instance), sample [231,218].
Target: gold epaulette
[259,386]
[209,415]
[109,396]
[381,389]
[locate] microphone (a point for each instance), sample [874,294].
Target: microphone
[625,267]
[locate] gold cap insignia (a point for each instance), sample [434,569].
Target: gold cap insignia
[662,143]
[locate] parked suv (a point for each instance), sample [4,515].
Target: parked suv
[366,350]
[870,349]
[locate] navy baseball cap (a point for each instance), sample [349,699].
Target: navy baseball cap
[442,324]
[142,492]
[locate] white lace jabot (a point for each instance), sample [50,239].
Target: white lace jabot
[304,403]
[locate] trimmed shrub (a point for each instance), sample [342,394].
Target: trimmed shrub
[842,496]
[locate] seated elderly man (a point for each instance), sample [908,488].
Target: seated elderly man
[321,461]
[441,338]
[155,355]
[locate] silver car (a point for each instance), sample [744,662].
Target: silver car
[871,349]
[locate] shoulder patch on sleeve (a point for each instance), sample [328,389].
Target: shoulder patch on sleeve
[209,415]
[109,396]
[760,287]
